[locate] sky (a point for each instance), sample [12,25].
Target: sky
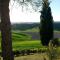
[55,8]
[17,16]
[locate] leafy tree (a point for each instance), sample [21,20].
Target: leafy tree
[6,44]
[46,23]
[34,4]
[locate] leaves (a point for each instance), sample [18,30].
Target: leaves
[35,4]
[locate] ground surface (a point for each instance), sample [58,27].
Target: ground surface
[41,56]
[33,57]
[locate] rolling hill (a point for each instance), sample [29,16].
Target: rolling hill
[31,26]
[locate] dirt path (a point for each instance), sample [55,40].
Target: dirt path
[33,57]
[41,56]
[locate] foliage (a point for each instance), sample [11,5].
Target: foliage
[23,41]
[46,24]
[21,45]
[57,26]
[34,4]
[16,36]
[56,42]
[34,29]
[25,25]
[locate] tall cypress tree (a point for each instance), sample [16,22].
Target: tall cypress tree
[46,23]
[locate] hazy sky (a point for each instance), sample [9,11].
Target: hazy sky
[16,15]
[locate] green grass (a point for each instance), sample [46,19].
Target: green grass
[23,41]
[18,36]
[18,45]
[35,29]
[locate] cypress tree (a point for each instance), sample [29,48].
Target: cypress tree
[46,23]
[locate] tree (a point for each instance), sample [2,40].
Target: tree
[46,23]
[6,44]
[34,4]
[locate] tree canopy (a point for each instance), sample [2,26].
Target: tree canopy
[35,4]
[46,24]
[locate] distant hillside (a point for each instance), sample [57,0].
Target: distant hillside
[33,26]
[34,29]
[57,26]
[24,26]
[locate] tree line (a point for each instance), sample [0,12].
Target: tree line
[19,26]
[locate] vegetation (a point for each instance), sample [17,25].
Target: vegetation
[34,29]
[25,25]
[16,36]
[57,26]
[46,24]
[24,44]
[32,26]
[23,41]
[21,45]
[56,42]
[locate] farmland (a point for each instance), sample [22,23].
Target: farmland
[24,41]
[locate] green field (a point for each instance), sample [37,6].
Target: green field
[23,41]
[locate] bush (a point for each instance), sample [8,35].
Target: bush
[56,42]
[17,53]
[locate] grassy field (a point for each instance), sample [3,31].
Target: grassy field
[23,41]
[32,30]
[18,45]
